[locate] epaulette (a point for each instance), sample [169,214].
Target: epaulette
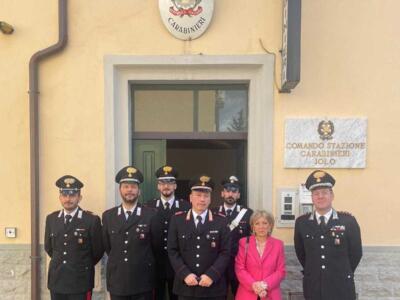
[346,213]
[178,213]
[89,212]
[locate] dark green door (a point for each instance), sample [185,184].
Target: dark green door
[148,156]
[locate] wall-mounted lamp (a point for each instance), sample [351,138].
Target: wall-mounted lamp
[6,28]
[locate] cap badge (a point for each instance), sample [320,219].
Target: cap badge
[233,179]
[204,180]
[131,171]
[68,181]
[319,175]
[167,169]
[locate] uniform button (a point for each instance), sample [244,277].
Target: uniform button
[165,239]
[322,236]
[127,233]
[65,235]
[197,265]
[165,231]
[348,276]
[65,244]
[126,242]
[197,255]
[198,237]
[125,259]
[323,256]
[198,246]
[64,262]
[125,251]
[165,248]
[166,222]
[323,267]
[65,253]
[322,247]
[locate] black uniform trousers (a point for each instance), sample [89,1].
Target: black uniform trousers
[142,296]
[82,296]
[162,286]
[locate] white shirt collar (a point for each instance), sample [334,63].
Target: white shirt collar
[327,216]
[72,214]
[202,215]
[231,208]
[170,201]
[131,210]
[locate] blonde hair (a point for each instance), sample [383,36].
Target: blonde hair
[262,214]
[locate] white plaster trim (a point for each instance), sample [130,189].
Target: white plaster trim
[257,70]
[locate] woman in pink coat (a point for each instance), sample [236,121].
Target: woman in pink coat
[260,262]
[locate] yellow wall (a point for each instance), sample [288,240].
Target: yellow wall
[350,67]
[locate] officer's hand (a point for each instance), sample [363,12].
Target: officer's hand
[205,281]
[191,280]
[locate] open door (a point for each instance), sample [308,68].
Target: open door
[148,156]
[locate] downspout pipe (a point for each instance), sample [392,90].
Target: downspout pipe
[34,142]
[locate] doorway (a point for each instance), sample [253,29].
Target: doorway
[216,158]
[196,127]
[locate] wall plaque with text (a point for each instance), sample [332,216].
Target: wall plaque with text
[326,143]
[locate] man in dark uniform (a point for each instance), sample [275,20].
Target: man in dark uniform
[199,246]
[166,206]
[128,236]
[328,244]
[238,218]
[73,241]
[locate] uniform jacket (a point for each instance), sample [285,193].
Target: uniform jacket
[328,255]
[243,229]
[200,252]
[74,250]
[163,266]
[250,267]
[129,245]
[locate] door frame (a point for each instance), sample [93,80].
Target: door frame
[255,70]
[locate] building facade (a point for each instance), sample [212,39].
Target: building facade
[125,90]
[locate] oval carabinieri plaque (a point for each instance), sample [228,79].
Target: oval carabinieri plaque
[186,19]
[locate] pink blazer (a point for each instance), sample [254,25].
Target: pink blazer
[269,268]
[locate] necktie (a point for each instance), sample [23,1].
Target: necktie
[129,213]
[199,223]
[67,220]
[229,212]
[166,207]
[322,223]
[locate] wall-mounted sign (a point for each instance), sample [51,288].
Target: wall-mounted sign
[325,143]
[186,19]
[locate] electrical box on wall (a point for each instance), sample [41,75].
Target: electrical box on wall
[11,232]
[291,203]
[287,207]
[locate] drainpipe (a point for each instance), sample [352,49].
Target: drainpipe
[34,142]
